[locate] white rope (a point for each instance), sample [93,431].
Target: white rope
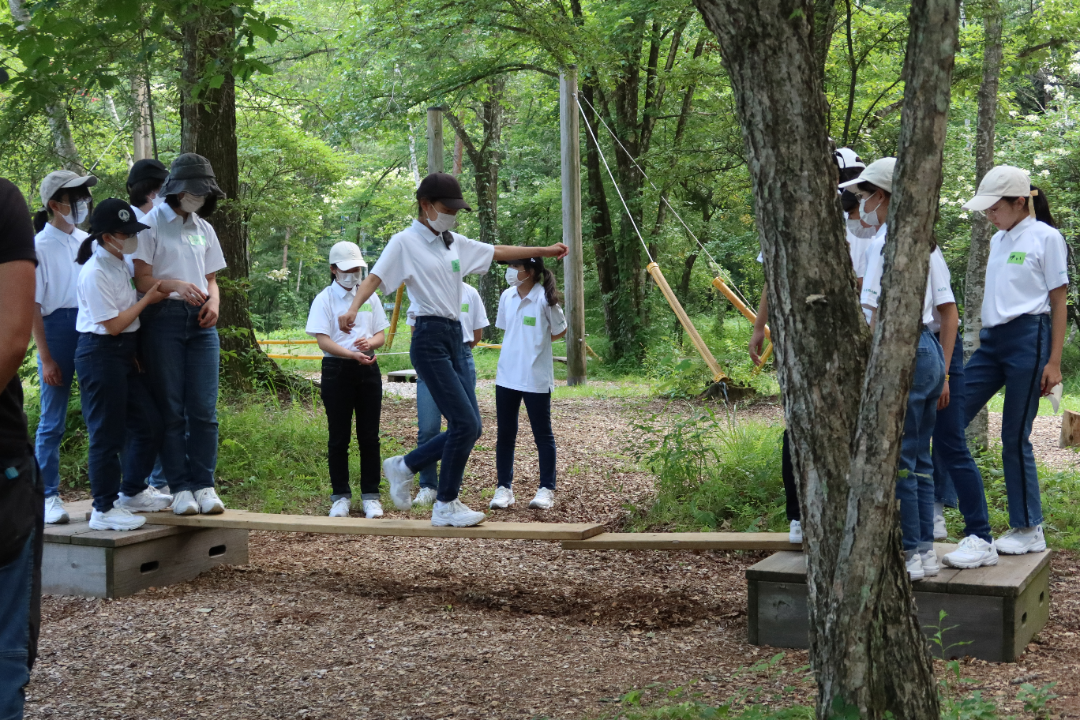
[717,266]
[617,190]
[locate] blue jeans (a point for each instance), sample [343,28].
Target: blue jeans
[915,483]
[182,361]
[439,357]
[157,477]
[507,407]
[62,337]
[1013,356]
[121,416]
[429,419]
[956,477]
[20,617]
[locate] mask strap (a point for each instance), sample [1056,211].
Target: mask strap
[1031,203]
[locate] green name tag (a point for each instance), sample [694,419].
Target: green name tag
[464,307]
[366,307]
[530,321]
[1016,258]
[455,265]
[196,239]
[132,281]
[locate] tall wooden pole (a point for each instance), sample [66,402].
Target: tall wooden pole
[434,140]
[573,264]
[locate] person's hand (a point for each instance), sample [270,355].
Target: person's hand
[191,293]
[155,294]
[364,359]
[208,315]
[50,373]
[345,322]
[943,400]
[363,344]
[757,344]
[1051,377]
[557,251]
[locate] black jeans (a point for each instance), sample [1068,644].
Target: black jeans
[347,388]
[791,488]
[507,406]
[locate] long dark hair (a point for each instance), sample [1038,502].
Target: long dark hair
[205,211]
[546,278]
[1041,205]
[86,249]
[73,195]
[138,192]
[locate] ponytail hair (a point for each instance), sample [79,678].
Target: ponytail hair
[41,219]
[546,278]
[86,249]
[1042,207]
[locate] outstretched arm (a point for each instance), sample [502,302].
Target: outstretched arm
[504,253]
[363,292]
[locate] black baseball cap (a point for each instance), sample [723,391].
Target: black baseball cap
[444,188]
[536,263]
[114,216]
[148,169]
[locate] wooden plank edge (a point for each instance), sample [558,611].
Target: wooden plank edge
[635,541]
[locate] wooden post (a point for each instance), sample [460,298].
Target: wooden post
[434,140]
[394,318]
[662,283]
[573,263]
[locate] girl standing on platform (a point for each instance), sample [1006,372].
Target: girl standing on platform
[67,203]
[351,381]
[180,341]
[530,318]
[120,414]
[1022,336]
[431,261]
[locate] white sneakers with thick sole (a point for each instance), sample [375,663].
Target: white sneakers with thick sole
[115,519]
[504,498]
[55,514]
[930,564]
[972,552]
[455,514]
[205,501]
[794,535]
[1020,541]
[400,478]
[544,499]
[372,509]
[144,502]
[426,496]
[914,567]
[341,507]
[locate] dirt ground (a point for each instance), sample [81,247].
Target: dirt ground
[372,627]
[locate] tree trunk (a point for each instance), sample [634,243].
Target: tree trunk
[142,138]
[981,229]
[285,250]
[866,648]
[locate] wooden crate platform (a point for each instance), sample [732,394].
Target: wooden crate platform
[683,541]
[359,526]
[996,610]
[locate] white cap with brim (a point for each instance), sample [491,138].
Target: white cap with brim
[846,158]
[878,173]
[1002,181]
[61,180]
[346,256]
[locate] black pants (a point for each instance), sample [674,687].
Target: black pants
[347,388]
[791,488]
[507,407]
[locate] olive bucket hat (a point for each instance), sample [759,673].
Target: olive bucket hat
[191,173]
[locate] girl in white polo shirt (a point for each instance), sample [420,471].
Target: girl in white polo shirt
[1023,332]
[180,341]
[351,382]
[121,417]
[530,318]
[66,199]
[431,261]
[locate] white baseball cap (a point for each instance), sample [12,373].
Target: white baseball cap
[847,158]
[347,255]
[1002,181]
[63,179]
[878,173]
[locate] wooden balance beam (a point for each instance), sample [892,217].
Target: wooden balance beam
[683,541]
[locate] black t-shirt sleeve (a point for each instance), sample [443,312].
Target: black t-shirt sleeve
[16,228]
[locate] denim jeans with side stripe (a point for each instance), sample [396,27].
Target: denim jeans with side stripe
[63,338]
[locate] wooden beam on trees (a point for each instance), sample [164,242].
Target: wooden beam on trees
[574,263]
[434,140]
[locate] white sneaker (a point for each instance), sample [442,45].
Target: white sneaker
[915,568]
[544,499]
[115,519]
[184,503]
[341,507]
[794,535]
[143,502]
[160,492]
[504,498]
[426,496]
[209,502]
[400,478]
[973,552]
[940,531]
[372,509]
[455,514]
[55,514]
[1019,541]
[930,564]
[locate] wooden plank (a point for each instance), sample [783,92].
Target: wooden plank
[683,541]
[1070,429]
[113,538]
[1010,577]
[385,527]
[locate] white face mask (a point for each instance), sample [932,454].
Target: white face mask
[192,203]
[158,200]
[869,216]
[856,228]
[82,210]
[348,280]
[512,277]
[442,221]
[127,246]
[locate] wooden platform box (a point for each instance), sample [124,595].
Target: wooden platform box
[995,610]
[105,564]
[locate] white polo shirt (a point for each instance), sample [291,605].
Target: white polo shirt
[473,313]
[938,287]
[525,362]
[334,300]
[1025,264]
[105,289]
[431,271]
[179,249]
[57,271]
[129,260]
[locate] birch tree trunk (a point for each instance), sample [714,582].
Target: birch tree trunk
[866,648]
[981,229]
